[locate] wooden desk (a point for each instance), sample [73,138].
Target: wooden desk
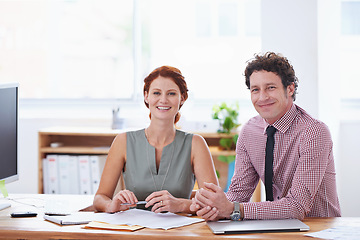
[38,228]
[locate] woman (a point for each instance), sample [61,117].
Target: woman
[159,163]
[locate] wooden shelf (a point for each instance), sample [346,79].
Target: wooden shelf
[75,150]
[98,141]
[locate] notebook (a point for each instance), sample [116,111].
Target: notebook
[53,207]
[72,219]
[250,226]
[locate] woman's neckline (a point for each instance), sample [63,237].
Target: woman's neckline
[147,140]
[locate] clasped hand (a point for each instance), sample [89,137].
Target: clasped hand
[210,203]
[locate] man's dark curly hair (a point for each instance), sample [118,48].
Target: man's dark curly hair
[272,62]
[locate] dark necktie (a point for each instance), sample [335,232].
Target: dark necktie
[269,158]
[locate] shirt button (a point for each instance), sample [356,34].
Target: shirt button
[278,197]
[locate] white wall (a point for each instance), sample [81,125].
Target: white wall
[290,28]
[348,168]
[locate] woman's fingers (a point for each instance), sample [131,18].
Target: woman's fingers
[155,198]
[208,213]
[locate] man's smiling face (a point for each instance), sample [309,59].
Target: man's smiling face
[268,95]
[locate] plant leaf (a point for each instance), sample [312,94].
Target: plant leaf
[227,159]
[222,158]
[235,138]
[226,143]
[230,159]
[217,173]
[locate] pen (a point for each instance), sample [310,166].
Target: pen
[140,202]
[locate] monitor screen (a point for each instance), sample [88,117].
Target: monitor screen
[9,132]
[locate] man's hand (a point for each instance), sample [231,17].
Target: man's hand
[211,203]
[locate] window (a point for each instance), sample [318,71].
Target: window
[208,40]
[102,49]
[350,18]
[68,49]
[350,49]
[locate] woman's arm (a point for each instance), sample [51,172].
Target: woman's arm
[115,162]
[203,166]
[202,162]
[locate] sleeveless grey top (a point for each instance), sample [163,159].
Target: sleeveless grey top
[175,171]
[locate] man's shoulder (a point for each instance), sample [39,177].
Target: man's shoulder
[254,124]
[257,120]
[305,118]
[309,124]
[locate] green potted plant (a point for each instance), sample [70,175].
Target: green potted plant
[228,122]
[227,115]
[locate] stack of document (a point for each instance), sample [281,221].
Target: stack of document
[147,219]
[133,217]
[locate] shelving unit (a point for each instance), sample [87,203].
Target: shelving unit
[73,141]
[98,141]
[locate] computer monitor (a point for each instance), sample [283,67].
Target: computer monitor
[8,134]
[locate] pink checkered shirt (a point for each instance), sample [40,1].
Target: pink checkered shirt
[304,183]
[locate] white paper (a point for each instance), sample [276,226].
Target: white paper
[337,233]
[147,219]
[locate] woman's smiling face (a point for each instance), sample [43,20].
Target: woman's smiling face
[164,98]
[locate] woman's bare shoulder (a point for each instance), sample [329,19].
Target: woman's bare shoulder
[198,140]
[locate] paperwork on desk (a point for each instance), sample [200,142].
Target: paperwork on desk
[341,232]
[147,219]
[130,217]
[108,226]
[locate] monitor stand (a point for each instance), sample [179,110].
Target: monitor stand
[4,205]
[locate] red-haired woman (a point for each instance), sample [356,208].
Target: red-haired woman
[160,163]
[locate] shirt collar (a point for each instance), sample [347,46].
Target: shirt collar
[285,121]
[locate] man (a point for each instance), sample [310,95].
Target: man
[301,173]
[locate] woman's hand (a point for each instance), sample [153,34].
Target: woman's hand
[163,201]
[117,203]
